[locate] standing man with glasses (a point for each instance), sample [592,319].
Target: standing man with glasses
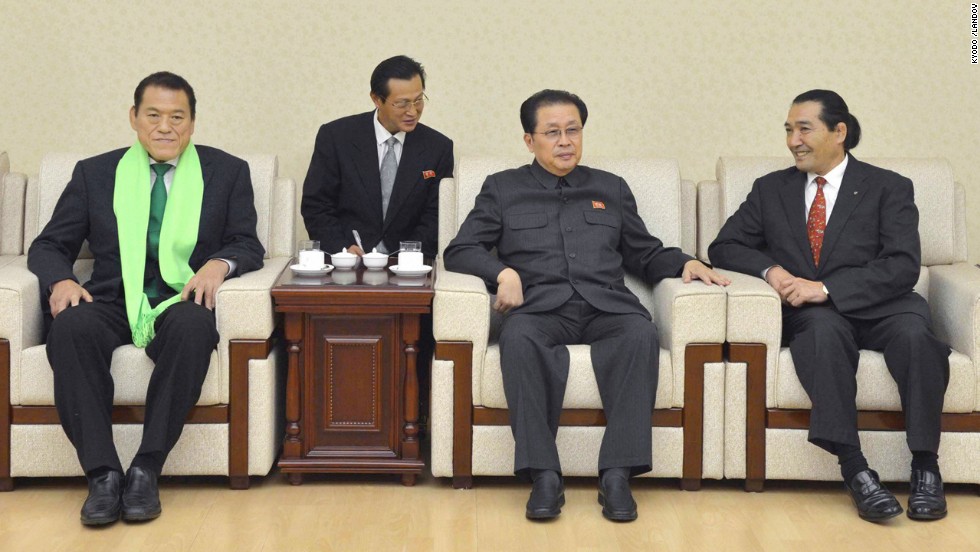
[378,173]
[565,235]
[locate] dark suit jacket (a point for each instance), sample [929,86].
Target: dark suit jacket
[584,238]
[871,255]
[342,191]
[84,212]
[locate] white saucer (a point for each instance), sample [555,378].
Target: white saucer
[301,270]
[417,271]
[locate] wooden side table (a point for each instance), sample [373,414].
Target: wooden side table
[352,390]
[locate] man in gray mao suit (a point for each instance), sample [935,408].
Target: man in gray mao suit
[565,235]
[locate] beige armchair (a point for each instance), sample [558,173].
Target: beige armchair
[13,186]
[767,410]
[234,430]
[469,425]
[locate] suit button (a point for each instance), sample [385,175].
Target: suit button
[568,228]
[572,255]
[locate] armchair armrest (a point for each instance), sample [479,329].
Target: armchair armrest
[461,308]
[755,315]
[685,314]
[954,301]
[461,312]
[754,310]
[21,319]
[243,305]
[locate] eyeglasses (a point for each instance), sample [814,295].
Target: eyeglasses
[553,135]
[403,104]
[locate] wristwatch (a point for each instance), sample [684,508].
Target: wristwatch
[827,293]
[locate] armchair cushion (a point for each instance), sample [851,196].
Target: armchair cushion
[876,388]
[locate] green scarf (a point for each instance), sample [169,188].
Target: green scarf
[178,234]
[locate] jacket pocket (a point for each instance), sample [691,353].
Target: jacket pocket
[597,217]
[527,220]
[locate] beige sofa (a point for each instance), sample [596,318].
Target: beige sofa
[235,428]
[13,187]
[767,410]
[469,425]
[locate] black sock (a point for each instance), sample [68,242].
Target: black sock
[615,472]
[925,460]
[150,462]
[851,460]
[97,473]
[536,474]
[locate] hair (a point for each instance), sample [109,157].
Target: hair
[398,67]
[833,110]
[168,80]
[529,109]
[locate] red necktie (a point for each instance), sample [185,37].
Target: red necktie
[816,221]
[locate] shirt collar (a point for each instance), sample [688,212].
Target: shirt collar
[550,181]
[172,162]
[833,177]
[381,134]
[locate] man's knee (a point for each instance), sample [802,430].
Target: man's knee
[641,330]
[188,319]
[76,322]
[826,328]
[519,328]
[912,329]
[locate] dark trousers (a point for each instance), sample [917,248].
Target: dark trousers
[79,348]
[824,344]
[534,361]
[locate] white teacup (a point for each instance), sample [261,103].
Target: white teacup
[410,259]
[375,260]
[313,258]
[343,259]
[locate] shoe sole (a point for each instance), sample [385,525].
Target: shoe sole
[631,516]
[925,517]
[550,514]
[95,522]
[875,519]
[141,517]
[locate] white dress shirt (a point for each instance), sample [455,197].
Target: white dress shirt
[830,189]
[834,177]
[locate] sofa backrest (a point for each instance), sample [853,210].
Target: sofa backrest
[13,187]
[274,201]
[942,220]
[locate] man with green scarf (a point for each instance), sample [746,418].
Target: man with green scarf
[167,222]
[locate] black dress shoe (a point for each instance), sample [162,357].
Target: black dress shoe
[141,499]
[615,497]
[874,502]
[547,496]
[104,499]
[927,500]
